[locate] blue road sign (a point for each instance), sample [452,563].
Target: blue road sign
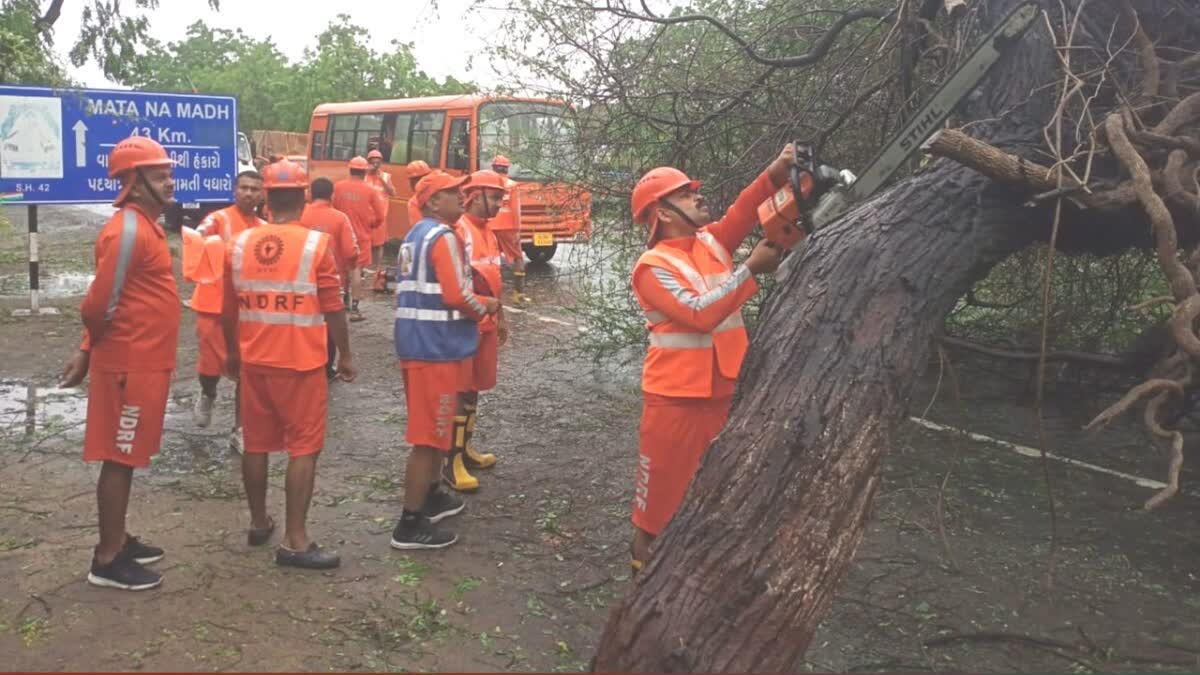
[54,143]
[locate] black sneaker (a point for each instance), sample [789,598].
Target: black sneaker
[315,558]
[421,534]
[124,573]
[441,504]
[141,552]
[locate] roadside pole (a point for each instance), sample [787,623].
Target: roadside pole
[35,308]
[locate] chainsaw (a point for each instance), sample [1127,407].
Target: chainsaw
[817,194]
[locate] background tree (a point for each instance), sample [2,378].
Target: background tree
[1085,141]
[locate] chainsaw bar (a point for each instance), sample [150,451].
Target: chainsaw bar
[1003,38]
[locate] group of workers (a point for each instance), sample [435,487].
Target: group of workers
[271,303]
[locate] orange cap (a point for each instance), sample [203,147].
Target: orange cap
[359,162]
[433,183]
[374,154]
[418,168]
[133,153]
[284,174]
[501,160]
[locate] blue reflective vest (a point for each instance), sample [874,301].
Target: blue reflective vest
[426,329]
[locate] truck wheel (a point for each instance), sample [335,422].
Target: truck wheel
[539,255]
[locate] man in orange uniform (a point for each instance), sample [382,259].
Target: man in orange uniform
[354,197]
[435,329]
[484,192]
[507,227]
[282,289]
[320,215]
[131,315]
[692,295]
[416,170]
[382,182]
[227,224]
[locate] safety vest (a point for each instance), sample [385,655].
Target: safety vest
[426,329]
[280,322]
[226,224]
[679,361]
[483,253]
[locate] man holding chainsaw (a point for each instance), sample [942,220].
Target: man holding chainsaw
[691,293]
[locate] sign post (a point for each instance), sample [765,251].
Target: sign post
[54,147]
[35,307]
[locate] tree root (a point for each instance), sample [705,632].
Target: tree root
[1134,395]
[1152,303]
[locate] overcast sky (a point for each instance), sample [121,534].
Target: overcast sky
[444,33]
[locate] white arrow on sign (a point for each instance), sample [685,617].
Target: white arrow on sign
[80,143]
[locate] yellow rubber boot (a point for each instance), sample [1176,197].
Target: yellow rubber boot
[473,458]
[454,472]
[636,565]
[519,296]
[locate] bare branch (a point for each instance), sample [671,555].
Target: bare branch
[47,20]
[819,49]
[1150,76]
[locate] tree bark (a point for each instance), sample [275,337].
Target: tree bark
[751,562]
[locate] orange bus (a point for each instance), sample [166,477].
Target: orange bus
[460,134]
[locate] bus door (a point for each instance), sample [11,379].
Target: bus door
[458,142]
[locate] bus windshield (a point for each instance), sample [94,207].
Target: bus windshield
[538,138]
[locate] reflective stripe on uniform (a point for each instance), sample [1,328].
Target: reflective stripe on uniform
[416,286]
[428,314]
[282,318]
[681,340]
[124,255]
[272,286]
[717,249]
[655,317]
[306,258]
[239,250]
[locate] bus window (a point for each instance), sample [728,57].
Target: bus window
[353,135]
[425,137]
[539,138]
[341,136]
[399,153]
[458,153]
[318,145]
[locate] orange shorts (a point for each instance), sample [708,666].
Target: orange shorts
[364,251]
[478,373]
[210,359]
[379,235]
[431,396]
[284,410]
[125,416]
[675,434]
[510,244]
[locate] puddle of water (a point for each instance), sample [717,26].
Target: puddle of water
[27,407]
[59,285]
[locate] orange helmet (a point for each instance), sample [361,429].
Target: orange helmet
[501,160]
[653,186]
[134,153]
[359,162]
[284,174]
[417,168]
[486,179]
[374,154]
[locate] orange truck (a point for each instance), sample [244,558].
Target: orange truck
[460,134]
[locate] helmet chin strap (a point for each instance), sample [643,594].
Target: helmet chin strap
[150,188]
[679,212]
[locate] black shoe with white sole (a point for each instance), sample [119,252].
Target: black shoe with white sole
[441,504]
[124,573]
[141,552]
[420,535]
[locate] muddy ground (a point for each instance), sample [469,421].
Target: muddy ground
[543,548]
